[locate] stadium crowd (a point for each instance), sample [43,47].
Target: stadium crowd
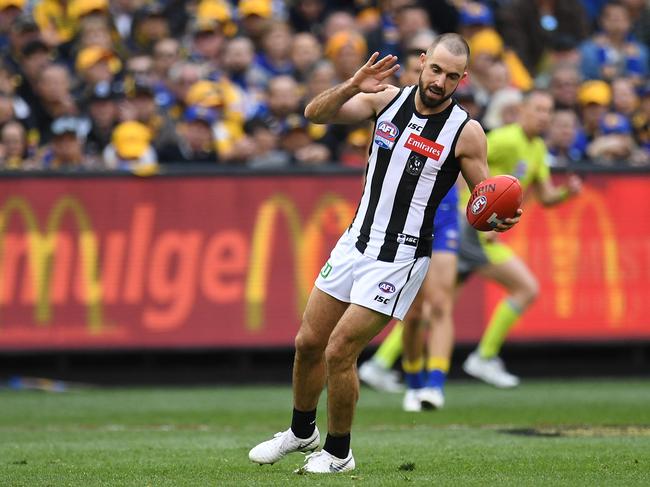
[135,84]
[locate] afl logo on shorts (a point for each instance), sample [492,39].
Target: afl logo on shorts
[479,204]
[387,287]
[386,134]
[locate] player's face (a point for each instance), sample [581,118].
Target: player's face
[440,76]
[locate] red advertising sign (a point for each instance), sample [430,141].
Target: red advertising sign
[229,262]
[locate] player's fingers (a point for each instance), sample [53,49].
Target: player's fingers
[388,72]
[384,61]
[372,59]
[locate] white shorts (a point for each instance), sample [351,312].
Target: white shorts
[386,287]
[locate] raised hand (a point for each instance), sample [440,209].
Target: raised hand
[369,77]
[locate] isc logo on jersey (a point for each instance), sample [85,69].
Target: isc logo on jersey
[386,134]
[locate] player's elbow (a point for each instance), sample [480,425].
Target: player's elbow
[311,114]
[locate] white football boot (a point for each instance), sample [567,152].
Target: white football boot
[282,444]
[490,370]
[325,462]
[380,378]
[411,402]
[431,398]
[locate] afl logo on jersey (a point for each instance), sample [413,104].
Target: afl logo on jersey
[479,204]
[387,287]
[386,134]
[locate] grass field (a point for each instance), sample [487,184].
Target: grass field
[201,436]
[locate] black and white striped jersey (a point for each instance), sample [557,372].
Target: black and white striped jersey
[410,168]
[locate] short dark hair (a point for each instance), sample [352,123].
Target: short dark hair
[454,43]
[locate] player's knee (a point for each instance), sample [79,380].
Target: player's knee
[337,356]
[530,291]
[308,344]
[440,307]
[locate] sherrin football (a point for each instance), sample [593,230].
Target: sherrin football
[492,201]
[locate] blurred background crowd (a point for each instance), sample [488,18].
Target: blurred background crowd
[136,85]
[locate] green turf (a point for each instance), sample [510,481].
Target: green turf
[201,436]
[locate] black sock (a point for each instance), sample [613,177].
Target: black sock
[339,446]
[303,423]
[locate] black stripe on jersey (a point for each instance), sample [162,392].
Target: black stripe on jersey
[392,312]
[406,189]
[445,179]
[401,118]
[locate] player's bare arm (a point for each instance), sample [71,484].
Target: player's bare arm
[471,151]
[359,98]
[549,194]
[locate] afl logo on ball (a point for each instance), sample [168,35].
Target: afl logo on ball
[386,287]
[479,204]
[386,134]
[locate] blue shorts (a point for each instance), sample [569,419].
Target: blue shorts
[446,229]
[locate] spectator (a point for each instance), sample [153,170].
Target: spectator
[13,145]
[95,31]
[639,12]
[565,146]
[611,53]
[347,51]
[594,97]
[130,149]
[624,97]
[141,107]
[486,47]
[265,143]
[474,17]
[123,12]
[103,111]
[563,86]
[275,56]
[195,142]
[253,17]
[641,119]
[409,20]
[35,56]
[207,43]
[529,26]
[306,51]
[321,78]
[166,53]
[66,149]
[614,145]
[307,15]
[54,99]
[140,67]
[503,108]
[246,76]
[150,24]
[9,11]
[23,31]
[295,139]
[95,64]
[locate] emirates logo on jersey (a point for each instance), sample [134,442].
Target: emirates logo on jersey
[424,146]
